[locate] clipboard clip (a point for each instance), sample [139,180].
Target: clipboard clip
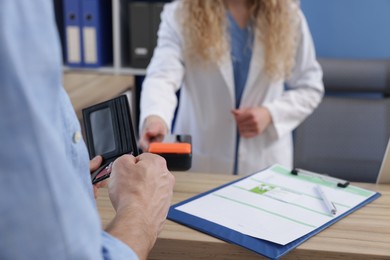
[340,183]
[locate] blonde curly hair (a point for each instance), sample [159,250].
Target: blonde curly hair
[275,22]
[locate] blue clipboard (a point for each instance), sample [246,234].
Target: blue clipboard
[265,248]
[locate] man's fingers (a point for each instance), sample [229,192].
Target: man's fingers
[95,163]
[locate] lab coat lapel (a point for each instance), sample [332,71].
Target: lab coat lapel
[226,68]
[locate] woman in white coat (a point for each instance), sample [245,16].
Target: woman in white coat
[248,77]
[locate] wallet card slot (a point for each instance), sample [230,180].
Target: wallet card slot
[127,120]
[121,139]
[119,116]
[130,135]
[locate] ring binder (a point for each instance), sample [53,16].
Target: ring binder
[73,39]
[96,32]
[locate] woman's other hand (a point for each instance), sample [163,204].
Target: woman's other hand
[252,121]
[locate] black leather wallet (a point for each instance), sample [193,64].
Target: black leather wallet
[109,133]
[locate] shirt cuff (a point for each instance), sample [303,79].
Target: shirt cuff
[113,248]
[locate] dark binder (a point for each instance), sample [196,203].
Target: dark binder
[139,34]
[155,10]
[143,25]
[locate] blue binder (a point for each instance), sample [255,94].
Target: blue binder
[72,33]
[96,29]
[268,249]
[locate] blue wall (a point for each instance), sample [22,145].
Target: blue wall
[357,29]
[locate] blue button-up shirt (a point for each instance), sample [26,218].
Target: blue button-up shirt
[47,209]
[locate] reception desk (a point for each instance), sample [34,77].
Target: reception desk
[365,234]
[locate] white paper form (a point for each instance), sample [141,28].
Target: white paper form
[275,205]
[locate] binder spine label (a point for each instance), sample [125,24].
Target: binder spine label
[90,45]
[73,44]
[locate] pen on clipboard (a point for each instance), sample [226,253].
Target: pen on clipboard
[340,183]
[329,205]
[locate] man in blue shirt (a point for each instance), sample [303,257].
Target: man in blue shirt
[47,208]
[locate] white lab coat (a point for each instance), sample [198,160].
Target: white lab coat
[207,99]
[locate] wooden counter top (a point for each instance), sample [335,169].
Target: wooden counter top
[365,234]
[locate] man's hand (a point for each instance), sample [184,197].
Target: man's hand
[94,164]
[140,189]
[252,121]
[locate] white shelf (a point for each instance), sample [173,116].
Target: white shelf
[109,69]
[133,71]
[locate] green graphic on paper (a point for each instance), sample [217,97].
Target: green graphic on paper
[262,188]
